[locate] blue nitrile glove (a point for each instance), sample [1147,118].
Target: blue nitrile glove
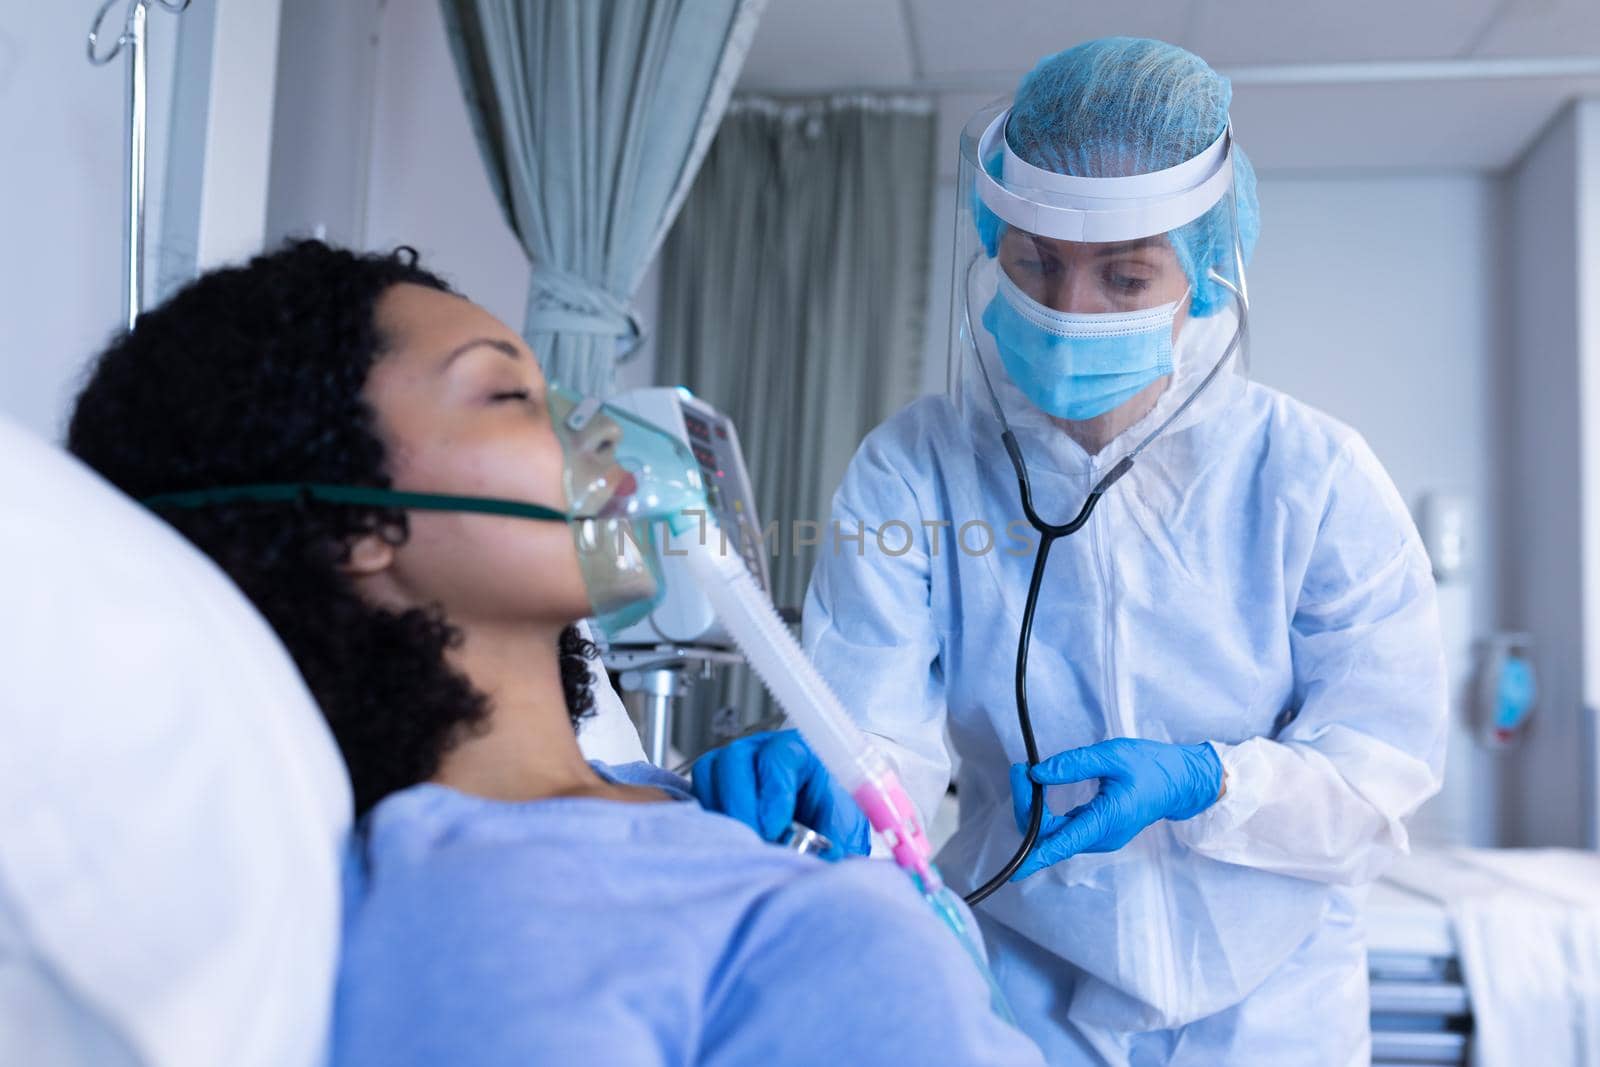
[1141,782]
[769,780]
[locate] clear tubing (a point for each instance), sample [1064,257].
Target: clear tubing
[947,906]
[775,656]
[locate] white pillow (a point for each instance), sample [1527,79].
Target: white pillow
[172,807]
[609,734]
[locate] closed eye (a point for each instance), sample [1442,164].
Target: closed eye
[510,394]
[1127,283]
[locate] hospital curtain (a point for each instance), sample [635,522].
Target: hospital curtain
[793,296]
[592,117]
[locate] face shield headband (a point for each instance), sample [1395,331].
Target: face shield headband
[1101,210]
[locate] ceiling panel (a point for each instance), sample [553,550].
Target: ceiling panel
[956,37]
[1545,28]
[1433,127]
[1478,125]
[970,53]
[821,45]
[1238,32]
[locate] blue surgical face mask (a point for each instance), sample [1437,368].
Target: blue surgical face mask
[1078,366]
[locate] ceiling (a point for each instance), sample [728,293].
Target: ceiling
[1368,85]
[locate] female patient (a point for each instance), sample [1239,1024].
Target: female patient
[509,902]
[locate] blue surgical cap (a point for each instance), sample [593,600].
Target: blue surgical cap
[1126,105]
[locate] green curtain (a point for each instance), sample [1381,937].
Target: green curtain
[793,299]
[592,117]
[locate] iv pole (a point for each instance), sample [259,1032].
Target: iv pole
[133,38]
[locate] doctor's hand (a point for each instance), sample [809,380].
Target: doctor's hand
[1141,782]
[769,780]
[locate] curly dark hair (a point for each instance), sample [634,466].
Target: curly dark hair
[254,374]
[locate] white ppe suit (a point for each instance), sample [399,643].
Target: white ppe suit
[1256,582]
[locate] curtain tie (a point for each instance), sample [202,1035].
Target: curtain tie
[562,302]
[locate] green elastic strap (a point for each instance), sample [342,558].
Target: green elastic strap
[364,496]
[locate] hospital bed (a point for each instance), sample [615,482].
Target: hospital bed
[1487,955]
[1421,1010]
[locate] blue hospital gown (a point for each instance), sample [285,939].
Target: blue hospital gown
[586,931]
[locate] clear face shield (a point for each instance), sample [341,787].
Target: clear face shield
[1101,310]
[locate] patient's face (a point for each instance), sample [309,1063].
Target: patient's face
[461,409]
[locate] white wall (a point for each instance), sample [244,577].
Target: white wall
[322,120]
[61,199]
[1549,378]
[427,185]
[1376,299]
[63,189]
[235,156]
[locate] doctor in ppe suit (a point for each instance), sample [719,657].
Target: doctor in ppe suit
[1236,684]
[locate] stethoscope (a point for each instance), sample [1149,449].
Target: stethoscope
[1050,533]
